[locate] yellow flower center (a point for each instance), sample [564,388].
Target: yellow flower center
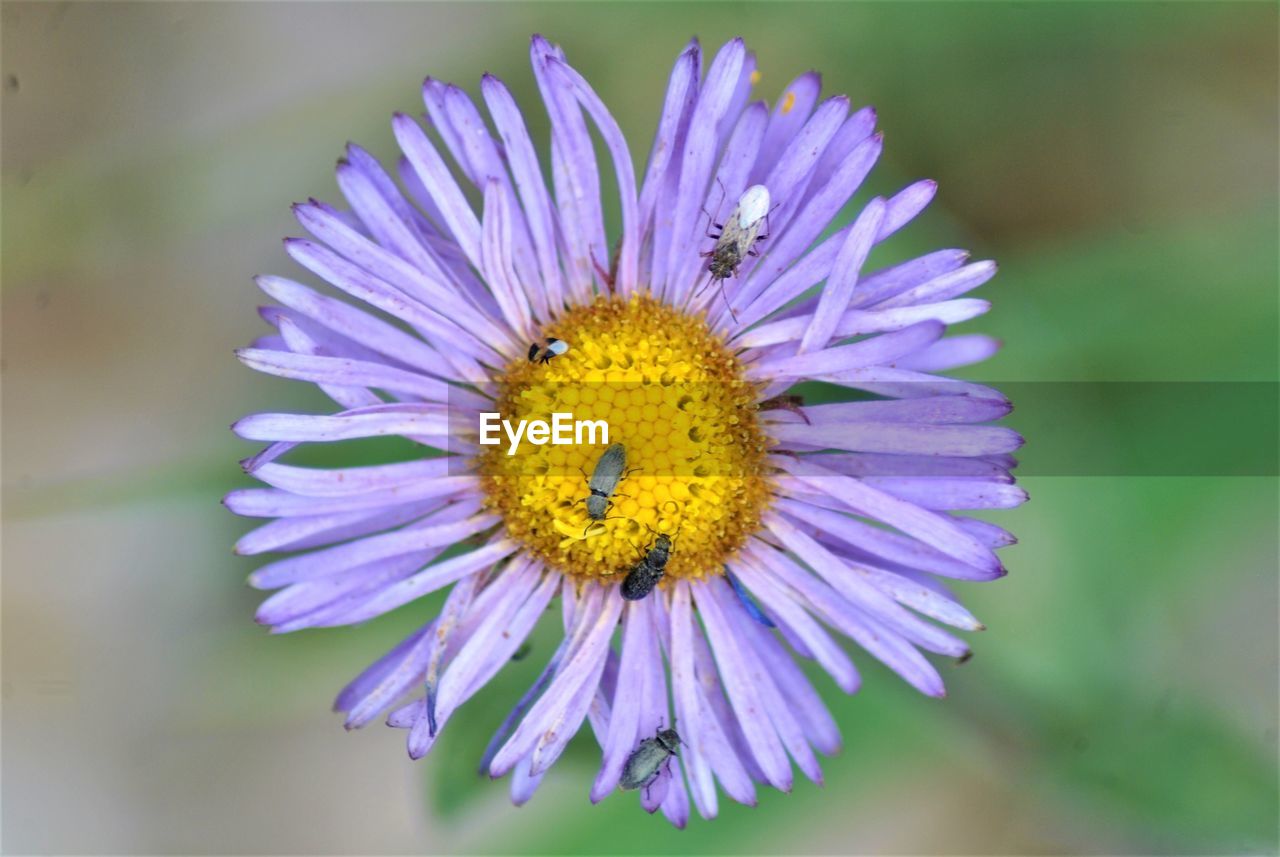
[675,397]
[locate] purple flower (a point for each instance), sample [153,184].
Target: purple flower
[790,525]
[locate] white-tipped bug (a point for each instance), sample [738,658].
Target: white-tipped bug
[737,237]
[543,353]
[604,480]
[645,762]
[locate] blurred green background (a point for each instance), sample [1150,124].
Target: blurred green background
[1119,160]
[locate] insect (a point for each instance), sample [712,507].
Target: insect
[645,762]
[604,480]
[544,353]
[788,402]
[645,574]
[753,609]
[737,237]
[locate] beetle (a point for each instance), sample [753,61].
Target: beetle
[645,574]
[753,609]
[737,237]
[543,353]
[604,480]
[645,762]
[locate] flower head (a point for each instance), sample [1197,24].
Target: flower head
[751,528]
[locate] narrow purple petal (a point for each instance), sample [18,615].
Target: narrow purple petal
[741,95]
[766,295]
[624,724]
[353,323]
[675,806]
[852,134]
[624,170]
[789,175]
[339,482]
[948,494]
[849,261]
[449,318]
[274,503]
[722,197]
[776,707]
[828,198]
[745,685]
[301,343]
[931,528]
[707,748]
[574,171]
[299,533]
[873,464]
[952,353]
[894,279]
[492,644]
[815,720]
[429,580]
[383,211]
[937,410]
[792,110]
[551,721]
[878,546]
[852,582]
[517,713]
[523,161]
[342,372]
[716,705]
[700,150]
[498,265]
[668,194]
[906,204]
[826,651]
[387,671]
[407,420]
[435,177]
[323,602]
[943,287]
[923,598]
[986,532]
[830,362]
[860,322]
[654,705]
[435,531]
[682,91]
[881,643]
[572,708]
[898,438]
[524,782]
[456,605]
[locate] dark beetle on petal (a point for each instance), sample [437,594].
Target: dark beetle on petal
[646,761]
[645,574]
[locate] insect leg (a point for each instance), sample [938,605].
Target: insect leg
[724,295]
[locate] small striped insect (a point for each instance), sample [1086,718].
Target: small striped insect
[737,237]
[543,353]
[645,574]
[604,480]
[645,762]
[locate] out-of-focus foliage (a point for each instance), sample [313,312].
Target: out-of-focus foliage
[1119,160]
